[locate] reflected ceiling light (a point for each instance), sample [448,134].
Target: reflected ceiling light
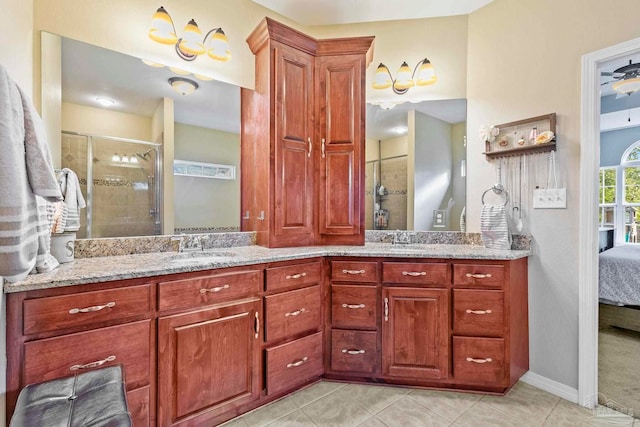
[423,75]
[105,102]
[116,158]
[152,63]
[627,86]
[183,86]
[125,159]
[215,43]
[400,130]
[388,105]
[133,159]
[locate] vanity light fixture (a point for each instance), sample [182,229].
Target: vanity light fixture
[183,85]
[405,79]
[116,158]
[215,43]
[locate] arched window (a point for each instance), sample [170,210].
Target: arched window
[630,197]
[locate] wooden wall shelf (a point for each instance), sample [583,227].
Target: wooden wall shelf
[511,132]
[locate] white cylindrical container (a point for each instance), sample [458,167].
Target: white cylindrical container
[62,246]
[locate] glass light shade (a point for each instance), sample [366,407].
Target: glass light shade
[190,42]
[179,71]
[125,159]
[116,158]
[426,74]
[152,63]
[133,159]
[183,86]
[405,78]
[162,29]
[218,46]
[382,78]
[627,86]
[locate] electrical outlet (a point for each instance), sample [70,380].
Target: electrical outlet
[553,198]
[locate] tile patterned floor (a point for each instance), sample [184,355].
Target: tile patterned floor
[352,405]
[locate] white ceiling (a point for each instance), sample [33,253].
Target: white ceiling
[89,72]
[328,12]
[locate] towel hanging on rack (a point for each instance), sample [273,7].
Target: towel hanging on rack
[494,224]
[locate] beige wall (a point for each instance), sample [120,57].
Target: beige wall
[16,41]
[442,40]
[51,94]
[103,122]
[207,202]
[524,60]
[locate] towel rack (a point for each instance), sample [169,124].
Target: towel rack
[498,189]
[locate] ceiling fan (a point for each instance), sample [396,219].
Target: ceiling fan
[626,79]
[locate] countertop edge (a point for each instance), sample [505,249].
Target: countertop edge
[122,267]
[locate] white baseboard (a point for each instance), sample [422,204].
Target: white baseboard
[551,386]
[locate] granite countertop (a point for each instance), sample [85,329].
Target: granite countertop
[109,268]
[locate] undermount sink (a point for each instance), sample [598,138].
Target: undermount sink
[202,255]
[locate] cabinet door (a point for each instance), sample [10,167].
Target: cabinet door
[208,362]
[415,327]
[341,122]
[293,180]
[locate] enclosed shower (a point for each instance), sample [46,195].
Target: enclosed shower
[120,179]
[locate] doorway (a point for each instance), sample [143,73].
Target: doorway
[588,228]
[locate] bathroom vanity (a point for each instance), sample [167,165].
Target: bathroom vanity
[204,339]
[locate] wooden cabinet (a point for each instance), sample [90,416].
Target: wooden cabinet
[302,138]
[55,333]
[415,332]
[490,323]
[208,362]
[293,325]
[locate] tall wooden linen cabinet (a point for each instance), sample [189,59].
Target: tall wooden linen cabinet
[302,138]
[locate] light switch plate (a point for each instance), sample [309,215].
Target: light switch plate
[552,198]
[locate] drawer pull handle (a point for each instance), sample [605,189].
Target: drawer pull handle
[216,289]
[386,309]
[414,273]
[353,306]
[478,312]
[479,276]
[295,313]
[296,276]
[480,361]
[354,352]
[353,271]
[297,362]
[92,308]
[256,326]
[93,364]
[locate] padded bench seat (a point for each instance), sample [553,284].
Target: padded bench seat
[94,398]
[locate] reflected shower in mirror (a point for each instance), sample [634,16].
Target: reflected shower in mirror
[416,166]
[124,122]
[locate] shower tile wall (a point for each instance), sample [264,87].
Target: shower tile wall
[368,195]
[74,157]
[122,193]
[394,179]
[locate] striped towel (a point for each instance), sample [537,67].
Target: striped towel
[73,199]
[26,171]
[494,227]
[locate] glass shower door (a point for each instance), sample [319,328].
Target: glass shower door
[123,195]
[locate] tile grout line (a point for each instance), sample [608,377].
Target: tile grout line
[549,414]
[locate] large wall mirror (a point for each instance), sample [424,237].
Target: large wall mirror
[416,166]
[415,153]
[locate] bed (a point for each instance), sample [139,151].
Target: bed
[620,275]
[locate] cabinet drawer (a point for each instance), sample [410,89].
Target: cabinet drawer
[65,355]
[353,351]
[293,312]
[354,271]
[479,360]
[293,276]
[353,306]
[84,309]
[204,290]
[138,401]
[478,313]
[478,275]
[294,362]
[414,273]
